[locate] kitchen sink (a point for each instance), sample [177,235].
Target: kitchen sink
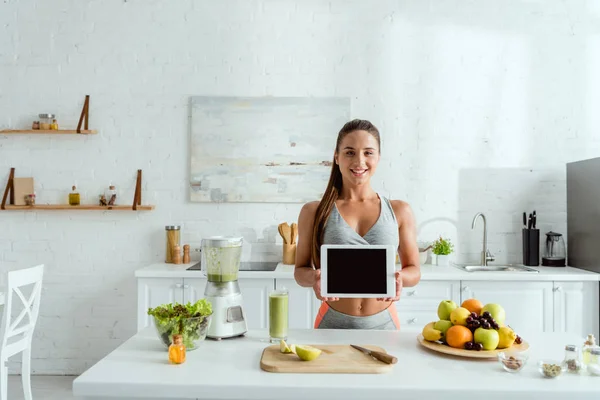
[495,268]
[246,266]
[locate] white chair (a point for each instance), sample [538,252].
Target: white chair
[16,334]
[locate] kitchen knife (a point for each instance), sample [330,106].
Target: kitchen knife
[534,219]
[529,222]
[524,220]
[385,357]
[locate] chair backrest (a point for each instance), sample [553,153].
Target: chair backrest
[20,326]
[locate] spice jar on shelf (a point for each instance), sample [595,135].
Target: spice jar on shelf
[594,366]
[54,125]
[572,363]
[177,350]
[74,198]
[111,196]
[30,199]
[46,121]
[586,350]
[173,239]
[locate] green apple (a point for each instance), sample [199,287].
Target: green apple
[496,311]
[445,308]
[442,325]
[489,338]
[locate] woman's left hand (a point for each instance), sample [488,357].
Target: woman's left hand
[398,276]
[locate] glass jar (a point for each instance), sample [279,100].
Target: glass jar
[587,348]
[111,196]
[46,121]
[173,237]
[177,350]
[74,198]
[594,366]
[571,363]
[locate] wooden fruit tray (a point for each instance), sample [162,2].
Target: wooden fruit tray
[445,349]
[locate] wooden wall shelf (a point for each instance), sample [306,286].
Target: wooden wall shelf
[79,207]
[83,120]
[9,195]
[48,132]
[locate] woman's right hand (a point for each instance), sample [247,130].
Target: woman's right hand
[317,288]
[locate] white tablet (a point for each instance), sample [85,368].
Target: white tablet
[358,271]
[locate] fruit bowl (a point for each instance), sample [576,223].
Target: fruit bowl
[550,368]
[512,361]
[440,347]
[472,330]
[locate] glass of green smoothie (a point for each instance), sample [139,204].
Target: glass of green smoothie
[278,315]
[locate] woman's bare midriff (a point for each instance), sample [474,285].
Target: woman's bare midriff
[359,307]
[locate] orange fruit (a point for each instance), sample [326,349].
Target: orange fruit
[458,335]
[473,305]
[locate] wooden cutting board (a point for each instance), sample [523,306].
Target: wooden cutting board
[334,359]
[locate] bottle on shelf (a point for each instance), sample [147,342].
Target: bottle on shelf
[54,125]
[177,350]
[111,195]
[587,348]
[74,198]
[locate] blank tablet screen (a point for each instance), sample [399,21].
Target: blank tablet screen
[356,271]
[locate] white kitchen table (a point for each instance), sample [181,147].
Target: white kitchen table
[230,369]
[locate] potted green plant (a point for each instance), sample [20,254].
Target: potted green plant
[442,248]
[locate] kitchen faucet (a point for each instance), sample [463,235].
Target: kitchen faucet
[485,254]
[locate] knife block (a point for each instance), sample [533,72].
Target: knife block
[531,247]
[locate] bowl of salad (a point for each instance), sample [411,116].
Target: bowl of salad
[189,320]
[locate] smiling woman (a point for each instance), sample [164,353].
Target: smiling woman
[351,212]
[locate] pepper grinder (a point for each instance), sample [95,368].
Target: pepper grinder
[176,254]
[186,254]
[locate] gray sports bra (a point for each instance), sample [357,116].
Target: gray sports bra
[384,232]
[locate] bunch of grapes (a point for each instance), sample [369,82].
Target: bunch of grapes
[484,321]
[473,346]
[518,340]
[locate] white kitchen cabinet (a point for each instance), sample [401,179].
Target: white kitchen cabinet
[193,289]
[418,304]
[528,305]
[255,293]
[576,307]
[303,304]
[153,292]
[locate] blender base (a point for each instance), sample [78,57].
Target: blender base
[228,318]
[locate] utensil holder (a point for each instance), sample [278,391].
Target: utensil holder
[289,253]
[531,247]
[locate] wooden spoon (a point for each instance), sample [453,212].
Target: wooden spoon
[294,232]
[287,232]
[281,232]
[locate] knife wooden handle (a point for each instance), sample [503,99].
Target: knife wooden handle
[385,357]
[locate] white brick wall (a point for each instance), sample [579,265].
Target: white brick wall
[480,105]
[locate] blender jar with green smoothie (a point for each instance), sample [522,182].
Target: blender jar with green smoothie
[221,258]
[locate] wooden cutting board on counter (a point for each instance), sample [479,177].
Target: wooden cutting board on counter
[334,359]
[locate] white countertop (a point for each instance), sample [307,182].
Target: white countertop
[230,369]
[428,273]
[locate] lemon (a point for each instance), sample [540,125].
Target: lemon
[284,348]
[307,353]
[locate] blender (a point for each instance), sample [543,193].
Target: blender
[221,262]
